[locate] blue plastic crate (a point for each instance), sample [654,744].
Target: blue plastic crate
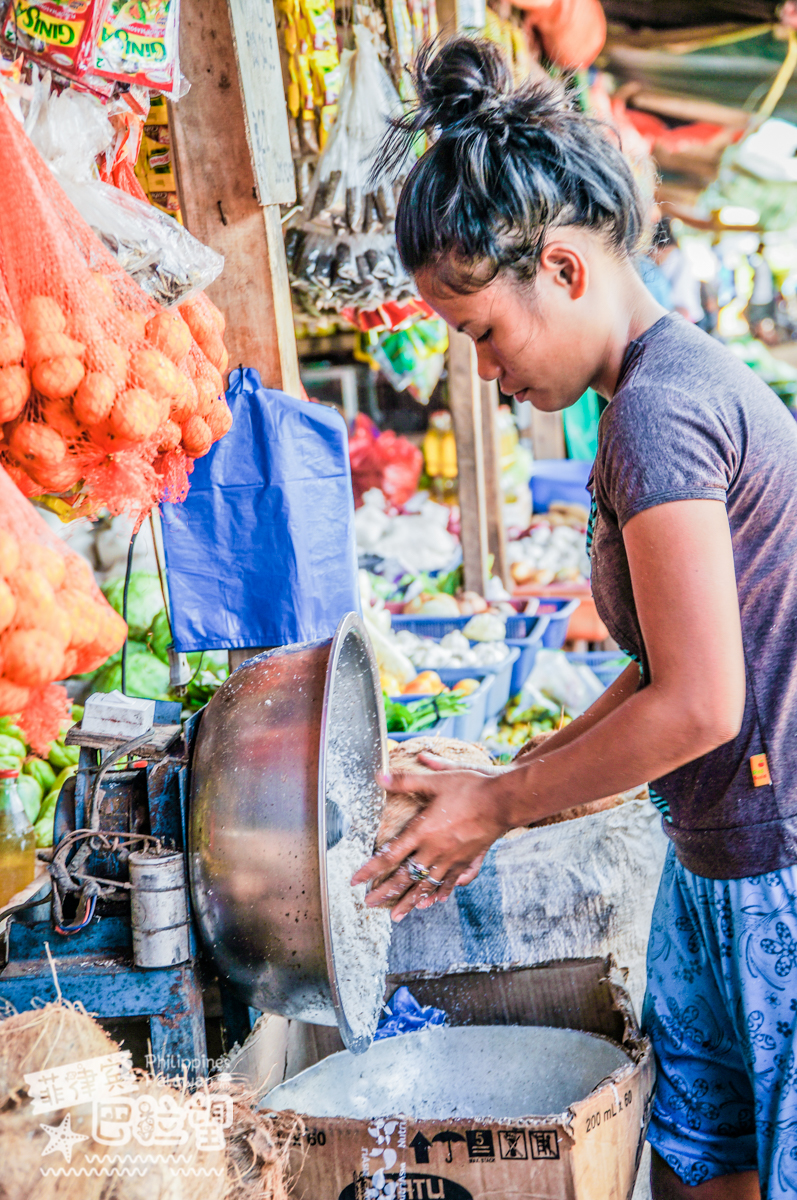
[467,726]
[528,647]
[608,665]
[501,674]
[435,627]
[562,479]
[560,610]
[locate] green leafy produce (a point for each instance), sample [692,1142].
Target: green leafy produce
[41,771]
[9,762]
[144,601]
[8,727]
[160,637]
[31,793]
[422,714]
[146,676]
[43,829]
[12,746]
[61,756]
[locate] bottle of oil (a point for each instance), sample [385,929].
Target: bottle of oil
[440,456]
[17,840]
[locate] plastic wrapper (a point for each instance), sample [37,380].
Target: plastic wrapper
[411,359]
[341,250]
[403,1014]
[58,35]
[54,620]
[105,398]
[166,261]
[138,43]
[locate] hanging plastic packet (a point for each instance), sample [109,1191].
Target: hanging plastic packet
[138,43]
[58,35]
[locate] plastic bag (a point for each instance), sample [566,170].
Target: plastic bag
[105,398]
[341,250]
[58,35]
[403,1014]
[54,620]
[411,358]
[166,261]
[383,460]
[138,43]
[572,685]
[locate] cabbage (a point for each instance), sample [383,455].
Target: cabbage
[146,675]
[144,601]
[161,638]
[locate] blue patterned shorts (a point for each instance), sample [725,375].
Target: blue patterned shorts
[721,1011]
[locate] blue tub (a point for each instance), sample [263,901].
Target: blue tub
[563,479]
[501,676]
[608,665]
[528,647]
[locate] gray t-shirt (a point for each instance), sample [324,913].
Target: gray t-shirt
[689,421]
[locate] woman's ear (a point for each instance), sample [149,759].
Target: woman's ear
[566,267]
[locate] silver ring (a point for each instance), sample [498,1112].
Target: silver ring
[435,882]
[416,872]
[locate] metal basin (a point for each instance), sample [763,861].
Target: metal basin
[259,823]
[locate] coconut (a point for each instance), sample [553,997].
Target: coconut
[400,809]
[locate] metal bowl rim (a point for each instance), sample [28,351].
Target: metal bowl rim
[350,621]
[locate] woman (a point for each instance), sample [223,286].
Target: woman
[520,225]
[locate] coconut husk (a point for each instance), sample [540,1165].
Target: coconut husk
[259,1148]
[400,809]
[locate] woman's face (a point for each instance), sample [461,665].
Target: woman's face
[546,341]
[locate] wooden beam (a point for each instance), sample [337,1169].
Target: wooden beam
[464,395]
[221,190]
[493,493]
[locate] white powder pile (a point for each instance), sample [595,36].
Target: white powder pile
[360,935]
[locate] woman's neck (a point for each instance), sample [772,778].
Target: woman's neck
[636,313]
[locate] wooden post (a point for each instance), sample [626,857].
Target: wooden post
[547,434]
[493,494]
[234,169]
[464,393]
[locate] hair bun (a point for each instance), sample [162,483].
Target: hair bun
[460,79]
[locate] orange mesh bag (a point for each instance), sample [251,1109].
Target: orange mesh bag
[121,394]
[54,620]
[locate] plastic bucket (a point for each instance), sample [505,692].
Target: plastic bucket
[562,479]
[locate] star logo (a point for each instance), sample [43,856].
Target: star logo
[62,1138]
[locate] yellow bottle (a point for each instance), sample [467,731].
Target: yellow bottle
[17,840]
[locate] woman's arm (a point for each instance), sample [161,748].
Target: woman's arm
[682,572]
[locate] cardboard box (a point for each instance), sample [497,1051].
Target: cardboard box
[589,1152]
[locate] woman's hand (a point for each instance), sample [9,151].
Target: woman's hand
[450,837]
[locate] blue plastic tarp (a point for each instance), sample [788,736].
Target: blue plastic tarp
[262,552]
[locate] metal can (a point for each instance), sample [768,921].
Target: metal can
[158,909]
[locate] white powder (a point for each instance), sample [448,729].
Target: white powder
[360,935]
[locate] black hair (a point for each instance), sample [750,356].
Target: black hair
[506,164]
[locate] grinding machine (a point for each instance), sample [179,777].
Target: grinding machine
[196,854]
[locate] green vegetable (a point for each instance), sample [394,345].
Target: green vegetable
[41,771]
[8,727]
[61,756]
[144,600]
[30,793]
[147,676]
[44,830]
[422,714]
[13,746]
[160,638]
[77,712]
[67,773]
[9,762]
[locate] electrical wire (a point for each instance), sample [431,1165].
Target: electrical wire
[128,573]
[161,575]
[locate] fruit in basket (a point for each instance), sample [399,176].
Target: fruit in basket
[168,332]
[135,415]
[94,398]
[426,683]
[185,400]
[106,357]
[58,415]
[8,605]
[13,698]
[48,344]
[9,553]
[169,436]
[14,391]
[12,343]
[34,444]
[465,687]
[31,657]
[219,419]
[49,563]
[155,373]
[427,605]
[42,314]
[57,378]
[197,438]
